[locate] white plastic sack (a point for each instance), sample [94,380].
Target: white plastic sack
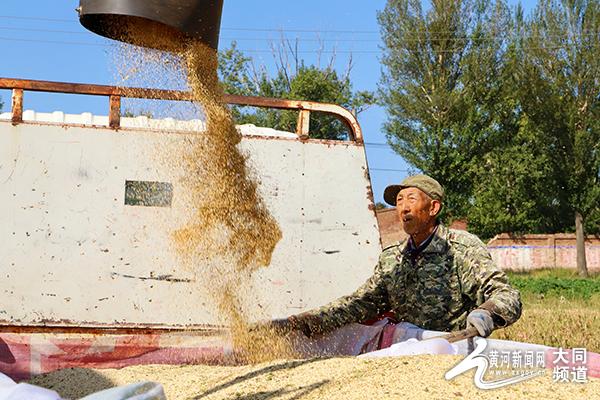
[413,346]
[9,390]
[135,391]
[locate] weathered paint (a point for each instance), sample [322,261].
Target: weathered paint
[75,255]
[17,106]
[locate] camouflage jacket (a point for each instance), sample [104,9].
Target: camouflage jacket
[436,290]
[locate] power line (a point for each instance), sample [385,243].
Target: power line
[409,39]
[414,39]
[299,30]
[267,51]
[281,30]
[35,18]
[316,51]
[10,28]
[388,170]
[53,42]
[304,40]
[224,28]
[270,51]
[266,39]
[20,29]
[377,144]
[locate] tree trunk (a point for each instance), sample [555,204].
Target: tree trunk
[581,262]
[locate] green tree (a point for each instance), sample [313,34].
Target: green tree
[441,89]
[301,82]
[513,188]
[563,80]
[514,185]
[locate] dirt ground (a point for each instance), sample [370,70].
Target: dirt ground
[415,377]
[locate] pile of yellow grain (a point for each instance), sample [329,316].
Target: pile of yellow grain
[417,377]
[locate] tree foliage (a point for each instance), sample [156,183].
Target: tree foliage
[563,77]
[503,109]
[514,182]
[440,88]
[293,80]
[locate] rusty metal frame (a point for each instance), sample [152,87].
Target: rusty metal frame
[120,329]
[115,94]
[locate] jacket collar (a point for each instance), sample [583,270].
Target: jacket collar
[438,243]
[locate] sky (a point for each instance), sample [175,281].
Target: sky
[42,39]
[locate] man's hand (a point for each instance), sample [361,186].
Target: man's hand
[482,321]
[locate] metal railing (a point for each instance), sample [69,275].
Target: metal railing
[115,94]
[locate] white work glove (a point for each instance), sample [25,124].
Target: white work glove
[482,321]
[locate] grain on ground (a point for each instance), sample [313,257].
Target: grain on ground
[416,377]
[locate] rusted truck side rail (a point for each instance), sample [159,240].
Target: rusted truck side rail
[114,93]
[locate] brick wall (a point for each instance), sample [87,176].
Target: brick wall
[543,251]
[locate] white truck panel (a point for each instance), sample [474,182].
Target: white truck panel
[75,254]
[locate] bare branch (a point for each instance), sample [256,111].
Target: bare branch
[349,67]
[281,62]
[293,50]
[331,61]
[256,75]
[320,50]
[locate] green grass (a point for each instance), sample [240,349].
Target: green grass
[567,273]
[559,309]
[555,283]
[557,287]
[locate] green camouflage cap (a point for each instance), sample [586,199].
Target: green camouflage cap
[427,184]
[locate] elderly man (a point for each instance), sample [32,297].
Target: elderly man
[439,278]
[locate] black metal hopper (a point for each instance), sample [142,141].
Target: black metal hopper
[160,20]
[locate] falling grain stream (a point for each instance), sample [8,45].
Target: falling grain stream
[230,233]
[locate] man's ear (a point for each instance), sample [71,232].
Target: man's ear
[435,207]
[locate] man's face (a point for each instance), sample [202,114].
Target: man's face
[416,210]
